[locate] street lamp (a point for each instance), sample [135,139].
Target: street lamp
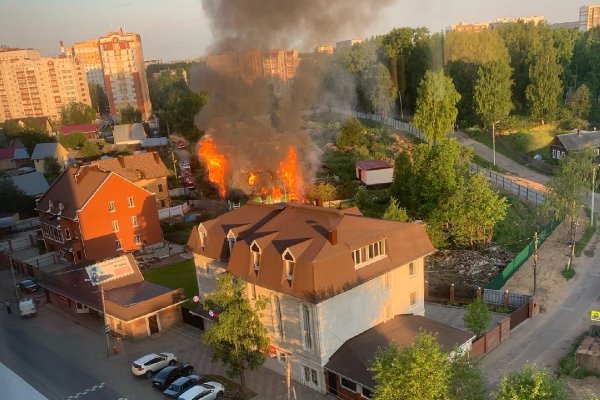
[494,140]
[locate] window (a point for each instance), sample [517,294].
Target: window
[387,280]
[289,263]
[160,187]
[137,239]
[388,311]
[310,376]
[118,244]
[369,253]
[115,225]
[306,328]
[111,206]
[130,202]
[67,234]
[366,393]
[278,322]
[348,384]
[411,269]
[282,358]
[553,153]
[134,221]
[202,234]
[230,241]
[255,250]
[413,298]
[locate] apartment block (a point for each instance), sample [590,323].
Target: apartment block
[35,86]
[88,53]
[589,17]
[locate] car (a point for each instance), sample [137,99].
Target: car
[168,375]
[151,363]
[28,286]
[205,391]
[180,385]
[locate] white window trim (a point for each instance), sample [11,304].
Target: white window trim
[255,264]
[416,292]
[231,239]
[130,202]
[137,239]
[134,218]
[203,235]
[414,267]
[347,388]
[111,206]
[367,261]
[115,226]
[278,317]
[286,264]
[303,330]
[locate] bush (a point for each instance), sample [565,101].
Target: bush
[568,273]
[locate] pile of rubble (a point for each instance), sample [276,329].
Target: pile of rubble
[466,267]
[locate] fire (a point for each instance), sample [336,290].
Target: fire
[215,163]
[252,179]
[275,194]
[290,175]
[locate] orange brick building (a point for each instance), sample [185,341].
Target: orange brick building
[93,214]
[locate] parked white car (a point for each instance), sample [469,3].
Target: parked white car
[205,391]
[151,363]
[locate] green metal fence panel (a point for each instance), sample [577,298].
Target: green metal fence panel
[520,258]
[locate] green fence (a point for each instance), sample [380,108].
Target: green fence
[520,258]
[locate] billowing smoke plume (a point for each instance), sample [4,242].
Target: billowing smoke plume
[254,117]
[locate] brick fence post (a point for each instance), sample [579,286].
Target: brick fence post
[426,294]
[452,292]
[505,299]
[478,292]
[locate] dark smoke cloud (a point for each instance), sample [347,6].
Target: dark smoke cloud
[245,24]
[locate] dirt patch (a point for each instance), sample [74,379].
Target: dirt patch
[583,388]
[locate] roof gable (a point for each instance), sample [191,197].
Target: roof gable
[135,167]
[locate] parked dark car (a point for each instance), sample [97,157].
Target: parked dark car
[180,385]
[28,286]
[168,375]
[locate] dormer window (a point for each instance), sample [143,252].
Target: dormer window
[289,262]
[202,234]
[256,253]
[231,241]
[368,254]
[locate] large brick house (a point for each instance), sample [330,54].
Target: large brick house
[92,214]
[145,170]
[330,276]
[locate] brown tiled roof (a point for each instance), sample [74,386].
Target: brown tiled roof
[73,188]
[135,167]
[355,357]
[370,165]
[323,269]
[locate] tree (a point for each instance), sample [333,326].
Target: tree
[436,106]
[567,189]
[99,98]
[130,115]
[581,103]
[531,383]
[493,91]
[77,113]
[352,134]
[545,89]
[382,93]
[13,199]
[466,380]
[90,150]
[52,169]
[477,317]
[396,43]
[419,371]
[462,73]
[395,213]
[322,190]
[238,339]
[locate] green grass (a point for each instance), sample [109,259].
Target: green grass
[486,164]
[568,273]
[517,229]
[178,232]
[586,237]
[181,274]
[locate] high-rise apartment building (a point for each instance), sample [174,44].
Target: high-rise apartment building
[589,17]
[35,86]
[124,72]
[88,53]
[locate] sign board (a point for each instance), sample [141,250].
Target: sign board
[109,270]
[595,315]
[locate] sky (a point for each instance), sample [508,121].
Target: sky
[178,29]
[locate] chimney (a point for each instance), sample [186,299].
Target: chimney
[333,239]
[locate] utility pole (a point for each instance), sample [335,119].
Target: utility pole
[494,140]
[12,270]
[535,260]
[104,317]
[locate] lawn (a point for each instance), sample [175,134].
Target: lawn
[181,274]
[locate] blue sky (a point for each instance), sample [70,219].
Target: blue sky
[178,29]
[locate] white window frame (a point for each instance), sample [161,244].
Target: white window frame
[356,385]
[278,317]
[134,221]
[115,226]
[231,239]
[410,300]
[203,235]
[369,254]
[137,239]
[118,244]
[306,327]
[130,202]
[289,265]
[309,376]
[412,270]
[256,253]
[387,280]
[111,206]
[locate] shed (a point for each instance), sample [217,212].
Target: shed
[374,172]
[129,134]
[33,184]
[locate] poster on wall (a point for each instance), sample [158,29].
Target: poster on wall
[109,270]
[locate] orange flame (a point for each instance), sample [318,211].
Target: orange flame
[215,163]
[275,194]
[252,179]
[290,175]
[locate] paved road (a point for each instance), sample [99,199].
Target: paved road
[548,337]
